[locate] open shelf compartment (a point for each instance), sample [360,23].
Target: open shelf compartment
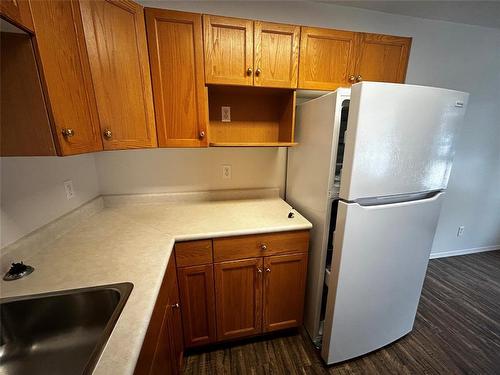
[260,117]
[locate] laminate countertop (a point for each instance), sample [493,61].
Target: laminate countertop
[115,239]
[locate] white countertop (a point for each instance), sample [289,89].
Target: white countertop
[132,240]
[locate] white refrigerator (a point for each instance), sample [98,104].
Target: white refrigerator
[370,172]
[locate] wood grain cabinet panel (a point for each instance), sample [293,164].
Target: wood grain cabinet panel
[116,41]
[18,12]
[228,47]
[276,54]
[193,253]
[382,58]
[62,54]
[284,288]
[327,58]
[175,43]
[238,289]
[196,285]
[24,121]
[162,349]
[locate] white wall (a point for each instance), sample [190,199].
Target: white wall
[443,54]
[173,170]
[32,191]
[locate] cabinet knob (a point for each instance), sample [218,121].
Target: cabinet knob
[108,134]
[257,72]
[268,269]
[68,132]
[249,72]
[352,79]
[259,270]
[175,306]
[202,134]
[359,79]
[263,246]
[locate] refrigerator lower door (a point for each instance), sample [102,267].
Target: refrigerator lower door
[379,263]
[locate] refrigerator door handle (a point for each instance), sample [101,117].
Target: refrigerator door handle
[403,199]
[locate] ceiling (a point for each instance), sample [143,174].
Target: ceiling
[481,13]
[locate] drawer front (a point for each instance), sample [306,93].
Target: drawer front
[241,247]
[193,253]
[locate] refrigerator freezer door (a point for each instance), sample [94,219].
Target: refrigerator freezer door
[379,263]
[399,139]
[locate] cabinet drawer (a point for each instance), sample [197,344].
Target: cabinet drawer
[258,245]
[193,253]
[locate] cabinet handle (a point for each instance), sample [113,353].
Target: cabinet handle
[263,247]
[359,79]
[202,134]
[268,269]
[257,72]
[68,132]
[259,270]
[175,306]
[107,134]
[249,72]
[352,79]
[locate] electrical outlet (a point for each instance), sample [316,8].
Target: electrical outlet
[226,114]
[226,172]
[460,231]
[68,187]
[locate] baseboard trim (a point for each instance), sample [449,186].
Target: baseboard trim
[452,253]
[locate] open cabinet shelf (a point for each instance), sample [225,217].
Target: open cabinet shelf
[260,117]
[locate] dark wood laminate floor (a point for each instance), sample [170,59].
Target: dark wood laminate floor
[457,331]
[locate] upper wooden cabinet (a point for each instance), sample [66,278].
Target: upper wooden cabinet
[18,12]
[66,76]
[382,58]
[228,50]
[334,58]
[276,54]
[176,55]
[327,58]
[115,35]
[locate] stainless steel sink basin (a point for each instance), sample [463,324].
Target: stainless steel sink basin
[61,332]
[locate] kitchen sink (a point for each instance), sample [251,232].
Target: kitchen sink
[61,332]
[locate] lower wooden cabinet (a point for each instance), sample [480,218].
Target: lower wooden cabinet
[248,285]
[196,285]
[238,290]
[162,349]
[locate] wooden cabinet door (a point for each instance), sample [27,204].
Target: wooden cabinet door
[196,285]
[238,290]
[176,54]
[382,58]
[276,54]
[327,58]
[174,321]
[228,46]
[284,288]
[61,51]
[116,41]
[17,11]
[163,362]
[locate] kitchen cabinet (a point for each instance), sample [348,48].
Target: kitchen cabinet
[276,54]
[235,287]
[162,349]
[115,37]
[283,274]
[18,12]
[327,58]
[238,290]
[382,58]
[25,126]
[228,46]
[176,55]
[247,53]
[196,285]
[65,72]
